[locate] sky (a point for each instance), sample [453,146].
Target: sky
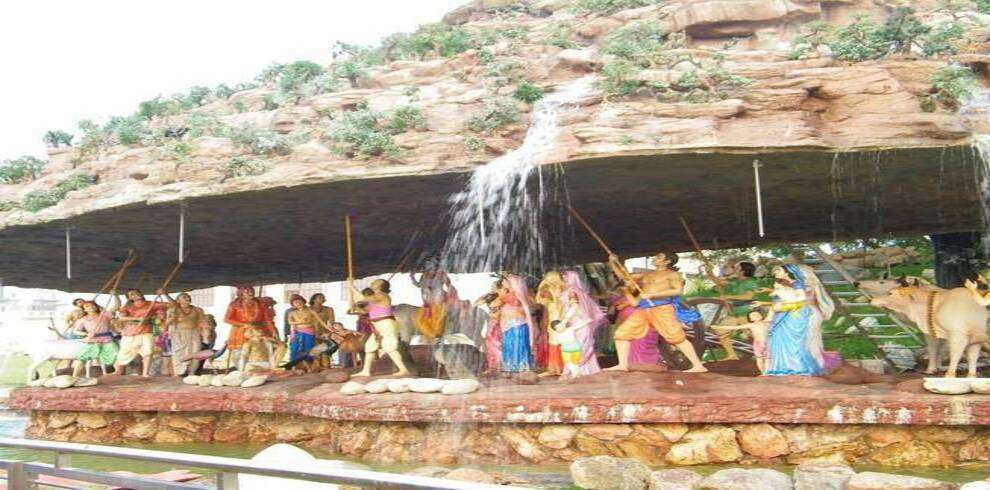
[67,60]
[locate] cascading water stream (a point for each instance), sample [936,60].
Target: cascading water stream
[496,223]
[975,111]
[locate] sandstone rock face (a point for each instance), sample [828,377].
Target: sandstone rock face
[609,473]
[470,475]
[762,441]
[517,443]
[815,104]
[822,476]
[674,480]
[882,481]
[710,444]
[739,479]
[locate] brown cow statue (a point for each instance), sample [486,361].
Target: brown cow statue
[941,314]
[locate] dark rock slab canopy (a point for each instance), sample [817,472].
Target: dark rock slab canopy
[295,234]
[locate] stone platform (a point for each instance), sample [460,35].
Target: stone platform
[660,418]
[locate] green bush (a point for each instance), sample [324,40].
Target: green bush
[259,142]
[814,34]
[859,41]
[620,78]
[403,119]
[7,205]
[982,6]
[223,91]
[126,130]
[294,75]
[241,166]
[199,124]
[351,70]
[366,133]
[560,35]
[950,87]
[474,144]
[157,107]
[56,138]
[93,135]
[528,93]
[270,74]
[430,40]
[21,169]
[900,34]
[40,199]
[609,7]
[645,43]
[943,40]
[496,114]
[196,97]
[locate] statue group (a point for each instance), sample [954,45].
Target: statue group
[561,326]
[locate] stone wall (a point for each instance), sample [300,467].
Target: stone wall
[654,444]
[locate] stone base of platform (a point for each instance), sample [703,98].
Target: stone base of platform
[467,443]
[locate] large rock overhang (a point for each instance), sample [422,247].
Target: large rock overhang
[295,234]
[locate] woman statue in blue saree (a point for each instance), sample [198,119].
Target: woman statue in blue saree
[800,305]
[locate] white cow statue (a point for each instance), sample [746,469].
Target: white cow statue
[55,350]
[952,315]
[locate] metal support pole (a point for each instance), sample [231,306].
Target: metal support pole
[759,196]
[182,231]
[68,253]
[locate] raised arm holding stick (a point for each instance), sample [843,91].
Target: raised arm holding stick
[137,336]
[658,305]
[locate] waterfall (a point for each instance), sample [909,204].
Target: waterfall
[975,112]
[497,221]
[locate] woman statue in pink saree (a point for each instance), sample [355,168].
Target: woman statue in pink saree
[576,329]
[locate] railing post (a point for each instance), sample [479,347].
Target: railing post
[63,460]
[17,478]
[226,480]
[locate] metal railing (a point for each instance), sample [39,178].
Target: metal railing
[25,475]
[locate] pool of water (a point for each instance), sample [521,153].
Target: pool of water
[553,476]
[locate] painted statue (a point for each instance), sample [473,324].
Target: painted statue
[95,329]
[249,312]
[185,324]
[385,341]
[739,290]
[137,335]
[77,312]
[580,320]
[438,292]
[658,305]
[317,303]
[550,295]
[303,325]
[956,316]
[799,306]
[515,325]
[758,327]
[493,330]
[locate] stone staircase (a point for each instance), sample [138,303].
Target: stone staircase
[895,340]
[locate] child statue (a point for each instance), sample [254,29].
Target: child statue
[758,327]
[549,295]
[303,323]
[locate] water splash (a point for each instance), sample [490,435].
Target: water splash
[975,113]
[497,222]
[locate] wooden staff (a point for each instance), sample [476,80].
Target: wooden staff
[164,287]
[114,282]
[697,250]
[350,247]
[624,274]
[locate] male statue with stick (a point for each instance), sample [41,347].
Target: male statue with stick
[656,295]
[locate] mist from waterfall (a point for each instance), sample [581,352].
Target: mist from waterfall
[498,221]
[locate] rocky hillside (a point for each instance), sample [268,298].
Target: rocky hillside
[674,76]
